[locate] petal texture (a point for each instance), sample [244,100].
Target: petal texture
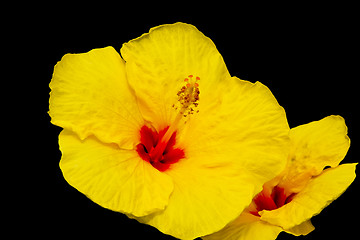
[243,124]
[313,147]
[302,229]
[90,95]
[317,194]
[158,62]
[204,200]
[112,177]
[319,144]
[246,227]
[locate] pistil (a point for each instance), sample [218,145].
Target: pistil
[158,148]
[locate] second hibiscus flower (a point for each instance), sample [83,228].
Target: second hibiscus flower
[302,189]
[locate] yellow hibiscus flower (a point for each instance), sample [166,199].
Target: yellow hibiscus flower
[311,180]
[164,134]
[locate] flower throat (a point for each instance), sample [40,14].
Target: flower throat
[276,199]
[157,148]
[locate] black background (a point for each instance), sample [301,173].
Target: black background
[305,54]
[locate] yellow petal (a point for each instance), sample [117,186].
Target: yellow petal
[90,95]
[244,124]
[246,227]
[114,178]
[302,229]
[158,62]
[318,193]
[204,200]
[318,144]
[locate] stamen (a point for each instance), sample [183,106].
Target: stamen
[188,97]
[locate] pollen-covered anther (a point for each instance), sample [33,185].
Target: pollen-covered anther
[188,95]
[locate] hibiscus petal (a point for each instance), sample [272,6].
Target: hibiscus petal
[302,229]
[319,144]
[318,193]
[204,200]
[158,62]
[243,124]
[246,227]
[90,95]
[114,178]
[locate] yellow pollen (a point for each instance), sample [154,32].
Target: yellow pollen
[188,97]
[189,94]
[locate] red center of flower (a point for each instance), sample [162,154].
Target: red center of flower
[161,154]
[277,199]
